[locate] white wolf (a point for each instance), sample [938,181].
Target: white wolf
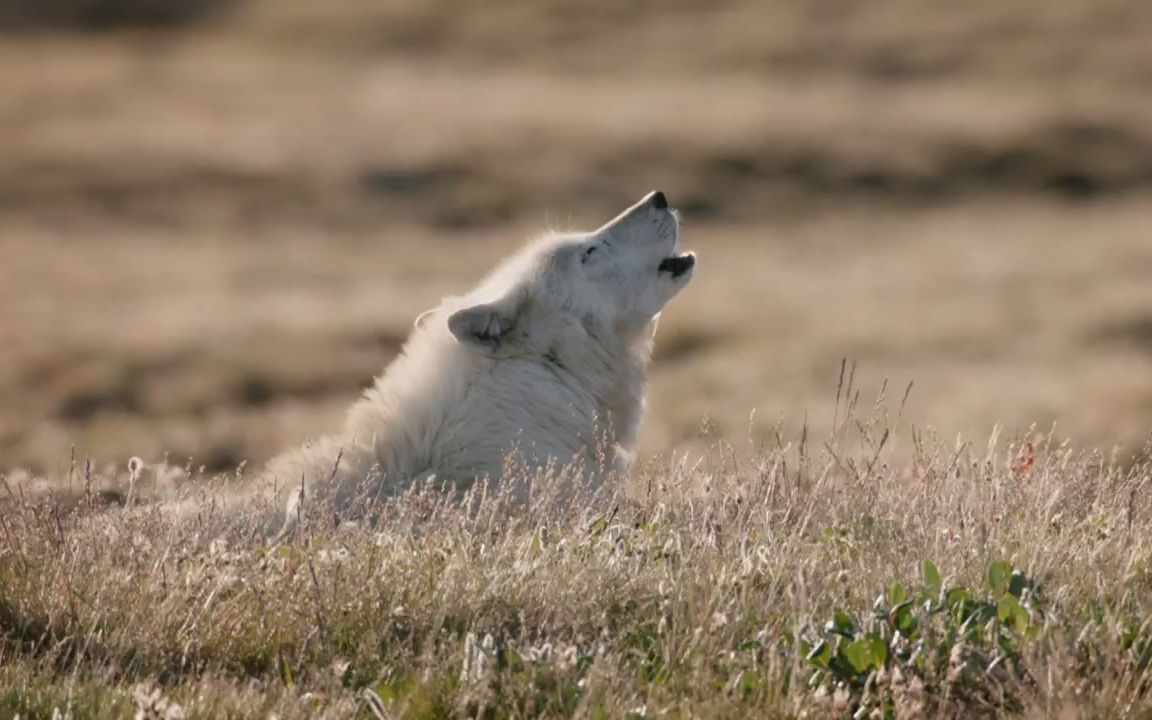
[547,357]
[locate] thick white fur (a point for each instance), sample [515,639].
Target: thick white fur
[547,357]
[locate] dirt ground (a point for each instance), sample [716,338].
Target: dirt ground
[212,237]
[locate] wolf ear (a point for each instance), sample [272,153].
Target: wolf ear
[486,326]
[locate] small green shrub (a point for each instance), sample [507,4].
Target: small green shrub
[952,641]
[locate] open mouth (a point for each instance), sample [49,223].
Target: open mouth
[677,264]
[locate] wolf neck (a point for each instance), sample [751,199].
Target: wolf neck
[613,373]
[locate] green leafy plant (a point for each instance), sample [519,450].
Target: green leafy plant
[936,634]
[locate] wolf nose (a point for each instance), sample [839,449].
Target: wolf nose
[658,200]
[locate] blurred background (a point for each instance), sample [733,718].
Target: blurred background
[218,218]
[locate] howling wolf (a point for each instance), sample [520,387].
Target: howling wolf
[546,358]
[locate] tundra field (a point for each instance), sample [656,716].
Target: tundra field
[817,580]
[214,233]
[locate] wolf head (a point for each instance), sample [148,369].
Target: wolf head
[608,285]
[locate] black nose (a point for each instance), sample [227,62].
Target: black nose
[659,201]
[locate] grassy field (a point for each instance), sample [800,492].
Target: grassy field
[818,580]
[213,235]
[213,238]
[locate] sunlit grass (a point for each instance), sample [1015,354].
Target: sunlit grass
[813,579]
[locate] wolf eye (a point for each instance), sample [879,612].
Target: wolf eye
[587,254]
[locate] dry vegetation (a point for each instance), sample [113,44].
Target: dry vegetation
[817,580]
[212,236]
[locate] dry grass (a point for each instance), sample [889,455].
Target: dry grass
[210,239]
[703,591]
